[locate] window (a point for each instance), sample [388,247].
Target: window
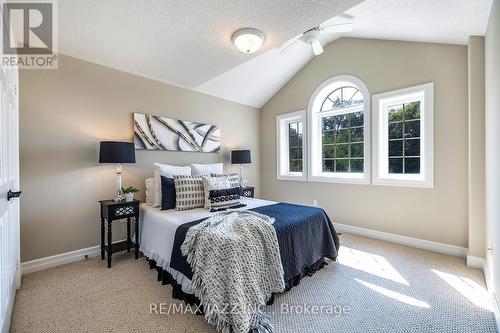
[291,146]
[295,149]
[403,149]
[338,116]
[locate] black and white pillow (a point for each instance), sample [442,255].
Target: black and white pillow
[189,192]
[214,183]
[224,199]
[234,179]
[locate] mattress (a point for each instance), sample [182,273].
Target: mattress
[158,229]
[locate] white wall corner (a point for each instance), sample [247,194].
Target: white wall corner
[423,244]
[489,285]
[475,262]
[496,308]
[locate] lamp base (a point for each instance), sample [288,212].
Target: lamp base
[243,182]
[119,197]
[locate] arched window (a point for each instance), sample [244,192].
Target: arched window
[338,123]
[343,97]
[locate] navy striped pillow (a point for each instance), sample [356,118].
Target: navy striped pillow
[224,199]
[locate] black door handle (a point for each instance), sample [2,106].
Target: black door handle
[11,195]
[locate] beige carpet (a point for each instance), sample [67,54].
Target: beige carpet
[375,287]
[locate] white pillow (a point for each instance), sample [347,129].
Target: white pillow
[214,183]
[149,197]
[206,169]
[150,182]
[168,171]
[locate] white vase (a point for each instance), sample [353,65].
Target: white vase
[129,196]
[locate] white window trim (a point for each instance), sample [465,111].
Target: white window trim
[314,135]
[282,151]
[425,93]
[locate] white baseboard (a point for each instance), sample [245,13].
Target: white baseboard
[475,262]
[423,244]
[59,259]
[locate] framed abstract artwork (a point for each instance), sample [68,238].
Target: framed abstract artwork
[161,133]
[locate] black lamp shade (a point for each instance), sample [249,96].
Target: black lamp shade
[240,157]
[116,152]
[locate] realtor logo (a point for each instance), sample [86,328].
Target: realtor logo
[29,34]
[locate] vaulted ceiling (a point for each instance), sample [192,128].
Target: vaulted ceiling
[188,42]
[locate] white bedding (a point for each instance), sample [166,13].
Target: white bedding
[158,232]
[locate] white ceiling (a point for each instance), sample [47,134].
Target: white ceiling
[257,80]
[188,42]
[185,42]
[437,21]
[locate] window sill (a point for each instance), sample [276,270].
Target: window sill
[404,183]
[365,180]
[292,178]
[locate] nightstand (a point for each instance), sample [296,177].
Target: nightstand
[112,211]
[247,191]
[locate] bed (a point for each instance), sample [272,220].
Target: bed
[305,235]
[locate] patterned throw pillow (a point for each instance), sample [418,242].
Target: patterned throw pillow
[189,193]
[224,199]
[214,183]
[234,179]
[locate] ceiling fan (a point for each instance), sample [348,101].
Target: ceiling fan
[312,35]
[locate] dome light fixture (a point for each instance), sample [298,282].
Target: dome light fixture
[248,40]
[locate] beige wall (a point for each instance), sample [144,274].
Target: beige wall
[492,149]
[438,214]
[63,115]
[65,112]
[476,147]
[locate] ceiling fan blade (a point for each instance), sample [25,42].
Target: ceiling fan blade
[336,28]
[316,47]
[346,16]
[289,43]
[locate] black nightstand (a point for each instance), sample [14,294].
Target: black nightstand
[247,191]
[111,211]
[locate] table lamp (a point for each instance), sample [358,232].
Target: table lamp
[240,157]
[117,152]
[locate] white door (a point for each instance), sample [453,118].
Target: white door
[10,274]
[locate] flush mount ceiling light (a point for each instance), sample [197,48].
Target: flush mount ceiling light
[248,40]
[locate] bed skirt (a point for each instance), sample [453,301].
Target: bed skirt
[166,278]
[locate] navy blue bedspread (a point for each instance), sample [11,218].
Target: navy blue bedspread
[305,236]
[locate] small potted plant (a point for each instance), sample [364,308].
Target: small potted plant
[128,192]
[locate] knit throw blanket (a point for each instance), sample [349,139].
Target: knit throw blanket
[236,265]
